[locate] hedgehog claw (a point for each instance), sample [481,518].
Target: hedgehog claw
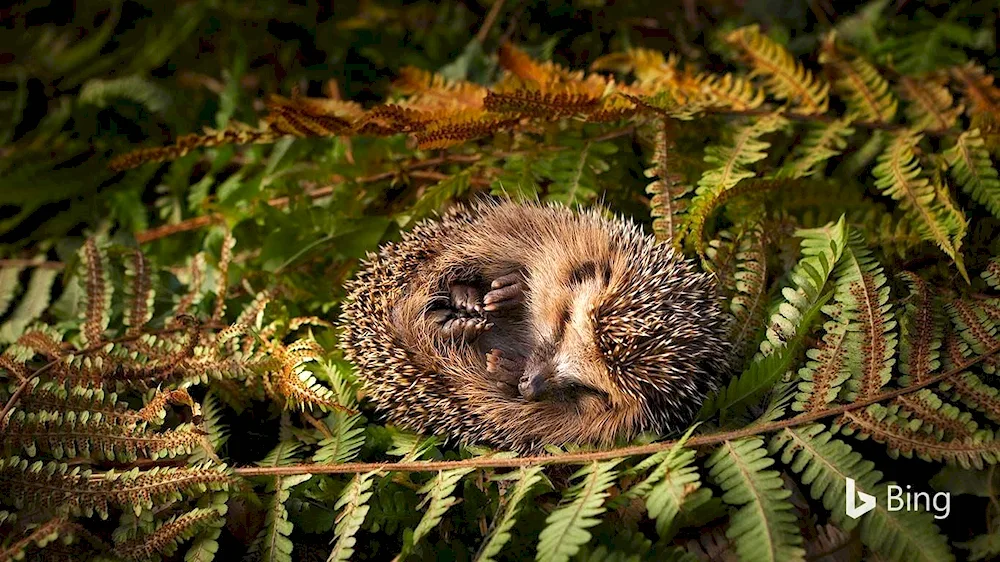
[506,368]
[506,292]
[465,328]
[466,298]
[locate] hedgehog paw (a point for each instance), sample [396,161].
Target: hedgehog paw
[506,367]
[464,327]
[506,292]
[466,298]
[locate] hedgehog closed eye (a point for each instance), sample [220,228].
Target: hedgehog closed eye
[512,363]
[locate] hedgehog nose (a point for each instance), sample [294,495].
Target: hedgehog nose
[532,383]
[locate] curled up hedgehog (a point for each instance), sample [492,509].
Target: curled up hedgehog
[525,325]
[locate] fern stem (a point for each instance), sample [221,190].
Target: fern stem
[586,457]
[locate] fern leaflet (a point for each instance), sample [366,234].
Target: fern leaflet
[566,527]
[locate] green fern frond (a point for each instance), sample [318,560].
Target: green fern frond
[30,306]
[667,192]
[347,435]
[9,286]
[824,464]
[83,492]
[821,250]
[921,333]
[819,144]
[787,79]
[789,324]
[500,533]
[676,493]
[992,273]
[273,543]
[865,90]
[898,175]
[437,501]
[574,172]
[353,503]
[749,302]
[764,527]
[826,368]
[566,528]
[728,164]
[972,323]
[864,296]
[970,165]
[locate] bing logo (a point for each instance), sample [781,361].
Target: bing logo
[867,501]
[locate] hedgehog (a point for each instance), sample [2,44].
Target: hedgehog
[525,325]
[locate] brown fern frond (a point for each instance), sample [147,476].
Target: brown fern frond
[155,410]
[787,79]
[971,391]
[867,93]
[978,87]
[930,106]
[83,492]
[97,292]
[533,103]
[43,340]
[186,143]
[827,369]
[310,117]
[461,127]
[139,292]
[612,108]
[972,324]
[878,346]
[165,539]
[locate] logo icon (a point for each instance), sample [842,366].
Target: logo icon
[867,501]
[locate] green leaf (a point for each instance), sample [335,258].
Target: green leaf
[566,527]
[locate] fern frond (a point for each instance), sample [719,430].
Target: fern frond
[867,93]
[575,172]
[992,273]
[969,163]
[977,84]
[820,144]
[749,302]
[898,175]
[353,503]
[9,286]
[972,324]
[41,535]
[30,306]
[533,103]
[438,499]
[273,543]
[862,290]
[729,163]
[765,526]
[930,106]
[936,416]
[789,324]
[921,333]
[139,293]
[667,192]
[82,492]
[94,275]
[787,79]
[826,369]
[566,528]
[824,464]
[462,126]
[902,437]
[675,492]
[500,534]
[972,392]
[347,437]
[168,535]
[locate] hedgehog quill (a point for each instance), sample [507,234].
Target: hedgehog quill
[525,325]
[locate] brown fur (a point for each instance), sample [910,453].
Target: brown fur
[635,327]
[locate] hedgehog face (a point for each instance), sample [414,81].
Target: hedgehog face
[566,363]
